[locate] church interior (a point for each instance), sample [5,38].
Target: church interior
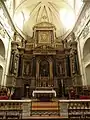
[45,55]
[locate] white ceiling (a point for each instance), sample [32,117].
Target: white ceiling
[30,12]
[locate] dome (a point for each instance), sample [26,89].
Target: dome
[28,13]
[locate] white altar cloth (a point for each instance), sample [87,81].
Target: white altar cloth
[45,91]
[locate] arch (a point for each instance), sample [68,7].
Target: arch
[87,71]
[1,73]
[86,48]
[2,49]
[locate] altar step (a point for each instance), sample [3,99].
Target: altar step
[45,108]
[47,118]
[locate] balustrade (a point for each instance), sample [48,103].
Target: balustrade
[76,108]
[70,109]
[79,109]
[14,109]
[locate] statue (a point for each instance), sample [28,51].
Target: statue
[26,68]
[72,36]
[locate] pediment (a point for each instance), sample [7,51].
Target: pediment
[43,25]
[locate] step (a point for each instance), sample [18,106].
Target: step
[46,118]
[44,105]
[45,108]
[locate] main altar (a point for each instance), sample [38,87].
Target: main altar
[43,65]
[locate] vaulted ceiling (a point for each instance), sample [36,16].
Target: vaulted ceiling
[30,12]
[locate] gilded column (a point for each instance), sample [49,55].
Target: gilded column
[12,63]
[37,72]
[68,65]
[37,69]
[20,65]
[51,73]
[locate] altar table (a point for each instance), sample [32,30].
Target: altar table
[44,92]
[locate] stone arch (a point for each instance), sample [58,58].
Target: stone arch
[2,49]
[1,73]
[87,71]
[86,48]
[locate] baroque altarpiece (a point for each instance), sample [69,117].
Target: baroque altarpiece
[43,62]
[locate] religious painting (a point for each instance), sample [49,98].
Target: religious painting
[44,36]
[44,68]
